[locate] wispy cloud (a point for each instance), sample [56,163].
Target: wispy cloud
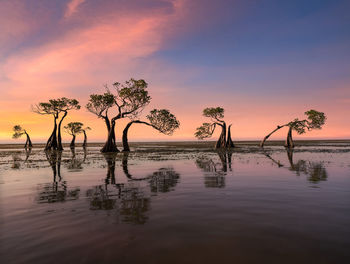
[72,7]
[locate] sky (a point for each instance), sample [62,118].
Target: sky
[265,62]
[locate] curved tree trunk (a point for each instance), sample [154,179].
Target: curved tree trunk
[28,142]
[72,143]
[229,142]
[85,139]
[221,143]
[125,133]
[52,141]
[289,141]
[266,137]
[110,145]
[59,138]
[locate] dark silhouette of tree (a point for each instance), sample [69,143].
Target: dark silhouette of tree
[18,132]
[314,120]
[56,107]
[315,171]
[129,201]
[215,171]
[206,130]
[163,180]
[129,100]
[161,120]
[73,129]
[85,136]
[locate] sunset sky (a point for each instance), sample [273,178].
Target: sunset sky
[266,62]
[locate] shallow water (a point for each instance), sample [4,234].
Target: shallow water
[176,206]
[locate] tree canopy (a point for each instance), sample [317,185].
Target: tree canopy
[74,128]
[163,121]
[18,131]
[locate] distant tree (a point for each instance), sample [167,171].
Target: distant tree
[160,119]
[206,130]
[18,132]
[55,107]
[73,129]
[129,100]
[314,120]
[85,137]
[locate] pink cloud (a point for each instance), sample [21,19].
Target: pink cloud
[72,7]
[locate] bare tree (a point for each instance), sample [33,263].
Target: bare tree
[56,107]
[206,130]
[159,119]
[129,99]
[18,132]
[314,120]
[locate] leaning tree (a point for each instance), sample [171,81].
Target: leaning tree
[128,99]
[160,119]
[18,132]
[59,109]
[314,120]
[85,136]
[206,130]
[73,129]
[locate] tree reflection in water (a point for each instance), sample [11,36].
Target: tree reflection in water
[215,171]
[315,171]
[76,164]
[131,200]
[57,191]
[17,159]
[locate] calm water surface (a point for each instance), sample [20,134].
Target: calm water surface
[178,206]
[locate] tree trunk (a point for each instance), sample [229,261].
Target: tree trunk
[289,140]
[59,138]
[52,141]
[28,142]
[265,138]
[125,133]
[125,137]
[229,142]
[72,144]
[85,139]
[221,143]
[110,145]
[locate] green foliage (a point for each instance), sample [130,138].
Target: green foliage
[315,120]
[74,128]
[214,112]
[164,121]
[100,103]
[206,130]
[56,106]
[131,97]
[18,131]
